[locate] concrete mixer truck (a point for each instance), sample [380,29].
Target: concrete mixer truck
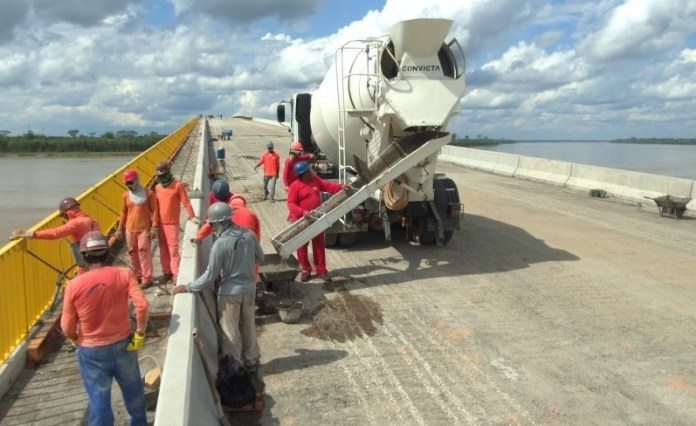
[378,120]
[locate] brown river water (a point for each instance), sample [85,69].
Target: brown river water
[32,187]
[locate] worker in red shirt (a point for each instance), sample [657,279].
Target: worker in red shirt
[219,192]
[96,316]
[79,223]
[270,161]
[304,196]
[171,195]
[294,157]
[139,220]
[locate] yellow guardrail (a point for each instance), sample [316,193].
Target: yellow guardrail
[31,270]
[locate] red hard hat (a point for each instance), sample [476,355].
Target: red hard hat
[130,175]
[238,201]
[162,168]
[67,204]
[93,241]
[296,146]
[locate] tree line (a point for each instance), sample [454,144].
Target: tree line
[479,140]
[108,142]
[657,141]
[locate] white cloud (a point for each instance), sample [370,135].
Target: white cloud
[638,28]
[535,68]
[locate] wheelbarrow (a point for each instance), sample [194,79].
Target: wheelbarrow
[669,205]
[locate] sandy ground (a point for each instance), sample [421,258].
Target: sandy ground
[549,307]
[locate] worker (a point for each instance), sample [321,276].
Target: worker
[294,156]
[219,191]
[96,317]
[270,161]
[246,219]
[232,259]
[171,195]
[304,195]
[139,221]
[79,223]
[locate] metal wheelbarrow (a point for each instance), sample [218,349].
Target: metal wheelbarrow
[669,205]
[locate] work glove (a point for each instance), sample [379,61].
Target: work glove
[306,213]
[153,233]
[21,233]
[195,220]
[346,187]
[118,234]
[136,343]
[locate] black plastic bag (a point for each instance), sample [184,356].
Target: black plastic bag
[234,383]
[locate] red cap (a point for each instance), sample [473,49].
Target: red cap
[130,175]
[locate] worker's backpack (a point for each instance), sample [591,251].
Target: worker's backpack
[234,383]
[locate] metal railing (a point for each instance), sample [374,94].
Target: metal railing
[31,270]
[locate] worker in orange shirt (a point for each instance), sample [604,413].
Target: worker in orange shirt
[270,160]
[96,317]
[139,219]
[171,195]
[79,223]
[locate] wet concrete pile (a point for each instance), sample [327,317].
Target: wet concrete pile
[346,317]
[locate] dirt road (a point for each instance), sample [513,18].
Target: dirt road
[548,307]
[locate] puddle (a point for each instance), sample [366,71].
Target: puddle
[346,317]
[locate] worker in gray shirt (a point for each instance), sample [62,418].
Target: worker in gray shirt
[232,259]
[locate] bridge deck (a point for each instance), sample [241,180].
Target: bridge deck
[549,307]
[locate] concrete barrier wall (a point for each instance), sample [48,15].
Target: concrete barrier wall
[542,170]
[186,396]
[621,184]
[506,164]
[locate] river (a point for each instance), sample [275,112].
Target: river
[33,186]
[666,160]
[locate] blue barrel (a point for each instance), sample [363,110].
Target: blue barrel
[220,153]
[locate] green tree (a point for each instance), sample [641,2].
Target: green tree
[73,132]
[108,135]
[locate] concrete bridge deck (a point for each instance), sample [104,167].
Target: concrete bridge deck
[549,307]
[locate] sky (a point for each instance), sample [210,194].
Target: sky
[535,69]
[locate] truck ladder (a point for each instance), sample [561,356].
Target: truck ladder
[395,160]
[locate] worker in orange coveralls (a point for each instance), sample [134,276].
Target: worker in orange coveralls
[270,161]
[171,195]
[243,217]
[96,316]
[294,157]
[304,196]
[139,219]
[79,223]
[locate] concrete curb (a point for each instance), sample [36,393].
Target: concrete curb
[622,184]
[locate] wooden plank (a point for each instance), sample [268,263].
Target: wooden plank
[43,340]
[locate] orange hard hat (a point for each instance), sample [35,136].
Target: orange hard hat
[238,201]
[296,146]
